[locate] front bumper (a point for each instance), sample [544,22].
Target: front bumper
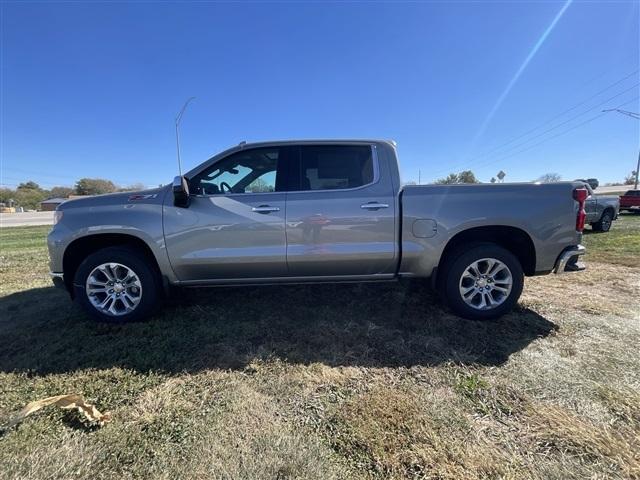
[58,280]
[569,260]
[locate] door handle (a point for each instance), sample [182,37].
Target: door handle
[374,206]
[265,209]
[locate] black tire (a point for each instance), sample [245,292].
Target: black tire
[459,261]
[604,224]
[150,293]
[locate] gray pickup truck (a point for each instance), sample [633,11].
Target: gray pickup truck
[601,210]
[313,211]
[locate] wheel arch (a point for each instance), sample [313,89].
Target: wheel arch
[609,209]
[84,246]
[514,239]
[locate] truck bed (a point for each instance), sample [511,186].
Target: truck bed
[432,215]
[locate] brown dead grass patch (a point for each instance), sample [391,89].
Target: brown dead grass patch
[561,430]
[623,403]
[601,289]
[402,433]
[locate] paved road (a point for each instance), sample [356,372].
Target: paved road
[620,189]
[26,219]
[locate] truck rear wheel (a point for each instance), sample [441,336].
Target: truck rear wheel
[482,281]
[117,285]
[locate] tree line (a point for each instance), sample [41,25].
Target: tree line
[29,194]
[467,176]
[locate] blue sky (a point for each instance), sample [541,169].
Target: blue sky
[92,88]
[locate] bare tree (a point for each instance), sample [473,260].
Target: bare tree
[549,178]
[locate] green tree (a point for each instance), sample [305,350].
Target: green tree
[28,195]
[7,194]
[449,179]
[60,192]
[259,186]
[29,198]
[466,176]
[30,185]
[630,179]
[94,186]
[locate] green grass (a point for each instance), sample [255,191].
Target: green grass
[620,246]
[328,381]
[23,258]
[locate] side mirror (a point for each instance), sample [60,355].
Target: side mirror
[181,192]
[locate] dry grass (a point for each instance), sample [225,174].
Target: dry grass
[612,289]
[575,436]
[357,381]
[398,434]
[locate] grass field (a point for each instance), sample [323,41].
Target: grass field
[335,381]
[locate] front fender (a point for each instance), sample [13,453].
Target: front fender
[141,221]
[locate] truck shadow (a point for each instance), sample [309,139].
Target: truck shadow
[380,325]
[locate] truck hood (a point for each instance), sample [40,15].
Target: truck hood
[121,198]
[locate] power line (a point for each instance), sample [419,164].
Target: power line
[569,119]
[624,112]
[22,180]
[556,135]
[563,112]
[70,179]
[31,172]
[547,122]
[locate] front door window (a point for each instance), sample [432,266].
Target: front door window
[251,171]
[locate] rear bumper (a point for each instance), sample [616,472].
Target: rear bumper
[569,260]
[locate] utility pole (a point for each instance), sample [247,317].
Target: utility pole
[419,183]
[178,120]
[635,187]
[637,117]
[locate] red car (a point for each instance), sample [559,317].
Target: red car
[630,200]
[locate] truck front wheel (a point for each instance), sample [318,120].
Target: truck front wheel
[604,224]
[117,285]
[482,281]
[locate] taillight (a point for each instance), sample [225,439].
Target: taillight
[580,195]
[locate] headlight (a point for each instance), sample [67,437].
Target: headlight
[57,216]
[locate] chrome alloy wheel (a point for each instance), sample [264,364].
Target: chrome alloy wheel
[113,289]
[485,284]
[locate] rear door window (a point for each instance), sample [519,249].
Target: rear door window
[333,167]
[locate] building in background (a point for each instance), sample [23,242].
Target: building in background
[50,204]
